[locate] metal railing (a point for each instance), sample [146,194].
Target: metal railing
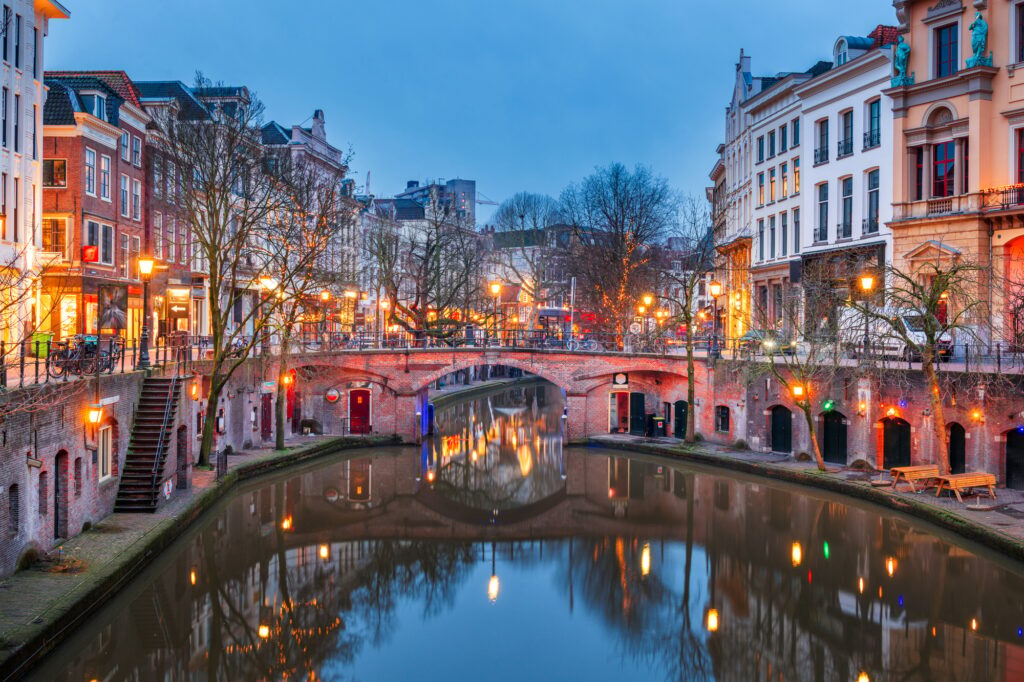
[872,139]
[844,148]
[158,454]
[821,155]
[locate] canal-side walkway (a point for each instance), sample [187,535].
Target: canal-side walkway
[43,603]
[998,524]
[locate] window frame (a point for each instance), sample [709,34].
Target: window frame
[874,197]
[124,195]
[821,201]
[136,151]
[950,60]
[105,164]
[52,164]
[948,164]
[722,416]
[136,199]
[90,171]
[49,230]
[846,206]
[158,236]
[125,142]
[104,451]
[760,239]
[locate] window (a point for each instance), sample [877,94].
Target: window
[7,96]
[722,419]
[822,234]
[124,195]
[846,144]
[55,236]
[105,177]
[771,185]
[134,258]
[821,152]
[122,256]
[947,50]
[35,132]
[7,24]
[3,206]
[13,506]
[17,41]
[784,233]
[846,227]
[17,123]
[105,451]
[771,236]
[1020,32]
[783,138]
[760,239]
[760,189]
[842,55]
[760,149]
[125,137]
[796,175]
[771,144]
[78,476]
[182,242]
[170,239]
[17,205]
[136,200]
[796,230]
[136,152]
[795,125]
[170,180]
[918,154]
[158,182]
[55,173]
[35,52]
[102,236]
[967,167]
[943,157]
[873,136]
[158,236]
[871,223]
[785,181]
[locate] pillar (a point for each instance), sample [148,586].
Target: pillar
[576,420]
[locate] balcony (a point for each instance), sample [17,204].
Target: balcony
[942,206]
[1006,198]
[869,225]
[844,148]
[844,230]
[49,258]
[872,139]
[820,155]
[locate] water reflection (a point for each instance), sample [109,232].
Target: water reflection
[362,570]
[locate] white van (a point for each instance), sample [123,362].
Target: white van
[884,337]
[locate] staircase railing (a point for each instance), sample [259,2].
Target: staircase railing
[158,454]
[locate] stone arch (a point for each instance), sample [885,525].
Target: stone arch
[509,360]
[939,114]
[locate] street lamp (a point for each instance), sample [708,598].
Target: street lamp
[715,288]
[496,292]
[325,296]
[146,272]
[867,284]
[648,300]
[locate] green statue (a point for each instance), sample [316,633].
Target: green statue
[979,41]
[901,62]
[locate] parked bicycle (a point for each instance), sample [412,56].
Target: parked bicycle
[76,356]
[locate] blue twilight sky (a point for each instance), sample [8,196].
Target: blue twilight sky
[522,95]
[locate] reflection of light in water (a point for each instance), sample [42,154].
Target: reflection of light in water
[264,631]
[325,552]
[645,559]
[192,576]
[890,566]
[492,588]
[797,553]
[712,620]
[525,461]
[286,524]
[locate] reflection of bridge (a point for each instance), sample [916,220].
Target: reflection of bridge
[399,380]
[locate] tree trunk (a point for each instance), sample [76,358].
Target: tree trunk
[210,420]
[280,398]
[691,389]
[938,417]
[814,438]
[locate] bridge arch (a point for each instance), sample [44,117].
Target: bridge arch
[531,366]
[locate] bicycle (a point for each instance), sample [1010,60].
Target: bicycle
[77,356]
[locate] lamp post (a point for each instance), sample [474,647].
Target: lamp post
[146,272]
[867,284]
[496,292]
[269,285]
[325,297]
[715,289]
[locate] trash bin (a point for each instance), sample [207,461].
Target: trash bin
[659,427]
[39,340]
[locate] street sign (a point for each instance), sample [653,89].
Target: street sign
[635,328]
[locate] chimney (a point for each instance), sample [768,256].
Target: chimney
[318,125]
[412,184]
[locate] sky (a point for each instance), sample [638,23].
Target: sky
[527,95]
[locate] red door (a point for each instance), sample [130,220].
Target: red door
[359,410]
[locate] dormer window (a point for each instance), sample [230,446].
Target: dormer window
[96,105]
[841,54]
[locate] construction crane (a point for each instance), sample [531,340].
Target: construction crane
[482,198]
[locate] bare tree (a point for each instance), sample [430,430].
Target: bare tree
[618,215]
[521,252]
[225,196]
[692,243]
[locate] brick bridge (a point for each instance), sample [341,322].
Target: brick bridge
[398,381]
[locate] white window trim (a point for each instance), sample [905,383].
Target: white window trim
[136,140]
[105,437]
[99,177]
[124,195]
[95,171]
[158,236]
[113,244]
[136,191]
[125,148]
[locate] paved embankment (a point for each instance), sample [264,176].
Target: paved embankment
[41,605]
[997,524]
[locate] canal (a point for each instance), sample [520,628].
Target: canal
[494,553]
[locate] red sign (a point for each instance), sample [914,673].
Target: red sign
[91,254]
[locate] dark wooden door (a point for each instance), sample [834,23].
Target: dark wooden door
[834,438]
[60,496]
[1015,460]
[895,443]
[359,410]
[957,448]
[680,421]
[782,429]
[267,416]
[637,414]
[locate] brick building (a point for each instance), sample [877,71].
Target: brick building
[94,179]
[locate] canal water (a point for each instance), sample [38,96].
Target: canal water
[493,553]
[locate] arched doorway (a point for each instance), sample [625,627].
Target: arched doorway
[833,437]
[895,442]
[957,442]
[359,410]
[1015,459]
[680,419]
[782,429]
[60,495]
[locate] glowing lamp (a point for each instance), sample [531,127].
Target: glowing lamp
[712,620]
[828,405]
[641,309]
[867,282]
[193,390]
[648,299]
[95,414]
[287,379]
[325,552]
[863,677]
[891,412]
[493,586]
[974,623]
[715,288]
[286,523]
[431,476]
[796,553]
[890,566]
[797,391]
[860,585]
[976,415]
[645,559]
[383,305]
[192,578]
[264,631]
[325,295]
[145,267]
[495,288]
[268,283]
[351,294]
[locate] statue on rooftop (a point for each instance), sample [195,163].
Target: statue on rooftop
[979,41]
[901,62]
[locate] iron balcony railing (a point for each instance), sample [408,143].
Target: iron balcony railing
[821,155]
[872,139]
[844,148]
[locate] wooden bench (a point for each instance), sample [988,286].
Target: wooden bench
[973,479]
[914,473]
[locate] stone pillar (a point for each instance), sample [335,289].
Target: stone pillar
[959,145]
[576,420]
[926,172]
[409,417]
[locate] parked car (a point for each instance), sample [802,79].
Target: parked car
[887,336]
[765,342]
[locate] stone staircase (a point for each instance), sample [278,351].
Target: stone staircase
[152,435]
